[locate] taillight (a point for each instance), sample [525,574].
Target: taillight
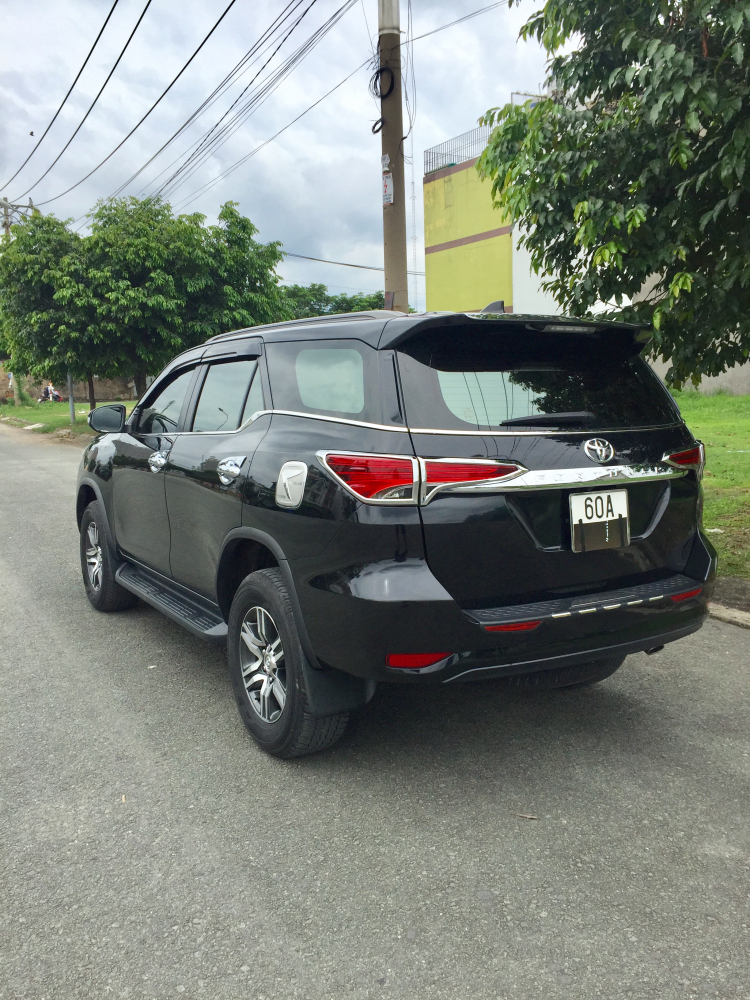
[376,478]
[461,475]
[413,661]
[687,594]
[513,627]
[691,458]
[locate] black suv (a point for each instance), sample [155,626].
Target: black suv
[377,497]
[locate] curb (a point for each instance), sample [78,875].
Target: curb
[730,615]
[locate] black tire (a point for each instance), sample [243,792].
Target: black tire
[270,689]
[580,675]
[102,590]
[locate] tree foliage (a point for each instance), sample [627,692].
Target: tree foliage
[143,286]
[632,178]
[315,300]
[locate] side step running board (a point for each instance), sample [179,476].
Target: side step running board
[189,611]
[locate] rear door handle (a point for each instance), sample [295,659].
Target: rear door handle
[157,460]
[229,468]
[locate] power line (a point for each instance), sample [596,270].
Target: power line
[91,106]
[341,263]
[265,89]
[156,102]
[238,163]
[62,104]
[213,139]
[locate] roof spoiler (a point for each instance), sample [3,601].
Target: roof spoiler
[399,330]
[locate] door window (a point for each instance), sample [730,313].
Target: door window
[162,415]
[254,398]
[223,396]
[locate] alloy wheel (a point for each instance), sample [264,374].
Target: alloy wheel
[262,663]
[94,557]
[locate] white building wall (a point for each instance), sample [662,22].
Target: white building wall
[528,295]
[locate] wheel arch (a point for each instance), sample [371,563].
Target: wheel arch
[88,492]
[245,551]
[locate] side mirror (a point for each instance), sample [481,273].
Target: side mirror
[107,419]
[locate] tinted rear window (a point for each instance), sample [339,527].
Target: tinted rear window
[469,380]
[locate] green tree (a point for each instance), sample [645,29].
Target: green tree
[156,284]
[315,300]
[632,178]
[145,285]
[44,334]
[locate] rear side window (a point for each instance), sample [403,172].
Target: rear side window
[335,378]
[223,396]
[472,380]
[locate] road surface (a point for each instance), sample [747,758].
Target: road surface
[149,850]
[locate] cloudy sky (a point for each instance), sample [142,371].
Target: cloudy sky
[317,186]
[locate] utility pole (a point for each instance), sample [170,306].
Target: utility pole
[13,213]
[392,146]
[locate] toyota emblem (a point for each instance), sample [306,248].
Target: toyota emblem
[599,450]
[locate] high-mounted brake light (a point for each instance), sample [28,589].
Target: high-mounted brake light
[691,458]
[375,477]
[413,661]
[455,474]
[513,627]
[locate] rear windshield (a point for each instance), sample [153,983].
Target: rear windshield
[470,380]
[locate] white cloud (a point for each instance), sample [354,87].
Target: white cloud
[317,187]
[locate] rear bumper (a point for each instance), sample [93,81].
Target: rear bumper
[356,633]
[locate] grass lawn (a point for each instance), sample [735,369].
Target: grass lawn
[52,416]
[722,423]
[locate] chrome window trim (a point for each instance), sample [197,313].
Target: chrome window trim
[399,429]
[322,457]
[543,433]
[341,420]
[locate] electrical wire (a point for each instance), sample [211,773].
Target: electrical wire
[62,104]
[234,74]
[145,116]
[225,173]
[341,263]
[194,195]
[212,138]
[91,106]
[208,146]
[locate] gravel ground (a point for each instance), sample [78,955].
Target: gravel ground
[150,851]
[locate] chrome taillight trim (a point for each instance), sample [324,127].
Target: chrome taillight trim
[558,479]
[322,457]
[428,490]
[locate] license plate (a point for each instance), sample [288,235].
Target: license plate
[599,520]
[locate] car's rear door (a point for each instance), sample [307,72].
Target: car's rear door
[513,543]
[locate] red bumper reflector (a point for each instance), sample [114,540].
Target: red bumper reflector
[687,594]
[414,660]
[513,627]
[371,476]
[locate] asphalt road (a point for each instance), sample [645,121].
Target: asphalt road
[150,851]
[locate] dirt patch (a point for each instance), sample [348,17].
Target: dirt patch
[732,592]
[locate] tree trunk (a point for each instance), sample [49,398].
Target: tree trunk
[92,393]
[140,380]
[16,391]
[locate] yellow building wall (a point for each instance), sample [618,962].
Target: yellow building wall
[458,208]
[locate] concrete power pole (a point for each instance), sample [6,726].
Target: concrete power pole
[392,135]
